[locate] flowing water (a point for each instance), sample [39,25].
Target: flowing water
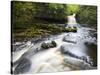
[74,51]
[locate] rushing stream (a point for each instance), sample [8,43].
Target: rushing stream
[74,51]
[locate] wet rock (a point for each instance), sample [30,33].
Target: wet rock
[76,64]
[54,43]
[23,66]
[70,29]
[83,58]
[92,51]
[48,45]
[87,60]
[37,40]
[91,44]
[14,47]
[18,47]
[95,35]
[45,45]
[65,51]
[70,39]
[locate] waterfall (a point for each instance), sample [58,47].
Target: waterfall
[72,21]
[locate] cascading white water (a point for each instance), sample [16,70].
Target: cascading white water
[52,60]
[72,21]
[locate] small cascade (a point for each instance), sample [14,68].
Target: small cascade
[72,21]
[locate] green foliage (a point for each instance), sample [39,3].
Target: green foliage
[25,13]
[87,15]
[21,13]
[31,19]
[72,9]
[57,10]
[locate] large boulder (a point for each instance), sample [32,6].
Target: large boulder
[66,50]
[70,39]
[53,43]
[23,66]
[45,45]
[48,45]
[77,64]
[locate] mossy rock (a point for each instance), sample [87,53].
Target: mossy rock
[69,29]
[44,46]
[48,45]
[54,43]
[74,29]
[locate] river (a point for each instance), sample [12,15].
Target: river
[74,51]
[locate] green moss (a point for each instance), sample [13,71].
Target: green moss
[51,44]
[54,43]
[44,46]
[69,29]
[36,30]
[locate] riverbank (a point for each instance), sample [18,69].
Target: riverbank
[36,31]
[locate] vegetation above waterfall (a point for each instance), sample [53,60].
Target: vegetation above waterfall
[31,19]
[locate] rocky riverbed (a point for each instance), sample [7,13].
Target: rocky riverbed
[73,51]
